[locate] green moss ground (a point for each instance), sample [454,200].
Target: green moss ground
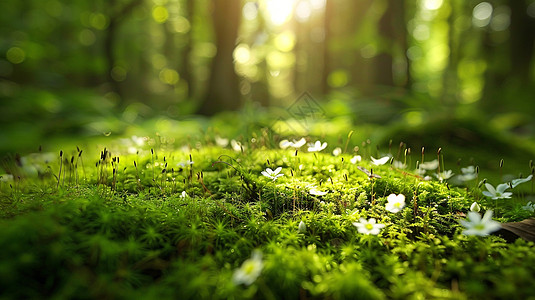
[121,227]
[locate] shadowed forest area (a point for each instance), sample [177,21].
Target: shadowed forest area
[453,70]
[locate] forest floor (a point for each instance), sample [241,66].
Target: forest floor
[213,209]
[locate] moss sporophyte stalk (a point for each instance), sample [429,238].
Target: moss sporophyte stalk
[258,222]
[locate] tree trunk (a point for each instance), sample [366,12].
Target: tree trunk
[326,52]
[223,91]
[186,54]
[116,19]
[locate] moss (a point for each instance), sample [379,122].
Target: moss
[163,228]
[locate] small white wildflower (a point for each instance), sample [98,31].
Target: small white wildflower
[221,142]
[529,207]
[315,192]
[518,181]
[250,269]
[420,172]
[302,227]
[138,140]
[294,144]
[444,175]
[498,192]
[368,227]
[395,203]
[337,151]
[317,146]
[272,174]
[236,146]
[185,163]
[468,170]
[300,143]
[285,144]
[475,225]
[399,165]
[468,173]
[6,178]
[380,161]
[429,165]
[467,177]
[475,207]
[355,159]
[184,195]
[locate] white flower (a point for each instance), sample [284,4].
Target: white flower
[468,170]
[221,142]
[380,161]
[317,146]
[518,181]
[368,227]
[429,165]
[272,174]
[249,270]
[444,175]
[236,146]
[399,165]
[355,159]
[138,141]
[285,144]
[395,203]
[185,163]
[498,192]
[475,225]
[302,227]
[184,194]
[529,207]
[475,207]
[337,151]
[467,176]
[6,178]
[468,173]
[315,192]
[294,144]
[300,143]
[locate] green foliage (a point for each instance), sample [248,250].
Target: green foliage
[172,224]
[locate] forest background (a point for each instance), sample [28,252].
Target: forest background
[91,68]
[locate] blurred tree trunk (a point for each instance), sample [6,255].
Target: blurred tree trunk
[383,75]
[117,16]
[522,40]
[450,83]
[388,72]
[223,90]
[186,52]
[326,52]
[508,80]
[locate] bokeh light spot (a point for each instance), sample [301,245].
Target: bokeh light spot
[481,14]
[338,78]
[87,37]
[15,55]
[160,14]
[242,54]
[432,4]
[118,73]
[98,21]
[250,11]
[169,76]
[285,41]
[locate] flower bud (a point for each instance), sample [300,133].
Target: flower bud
[475,207]
[302,227]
